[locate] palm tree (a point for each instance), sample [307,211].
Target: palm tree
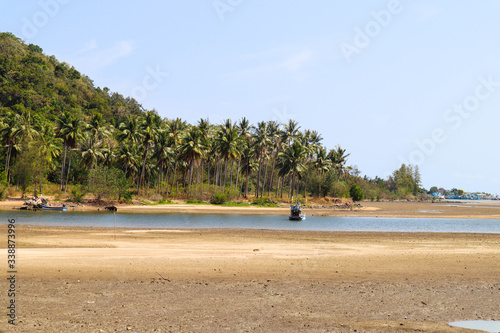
[205,128]
[274,135]
[26,124]
[292,162]
[10,132]
[148,128]
[311,141]
[91,152]
[261,143]
[227,142]
[176,126]
[162,152]
[248,164]
[97,127]
[291,131]
[338,159]
[49,146]
[69,129]
[322,164]
[192,149]
[74,133]
[244,133]
[127,157]
[129,130]
[61,129]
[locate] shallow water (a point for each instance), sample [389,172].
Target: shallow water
[195,221]
[482,325]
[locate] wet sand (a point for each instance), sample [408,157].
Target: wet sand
[229,280]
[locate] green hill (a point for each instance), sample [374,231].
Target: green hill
[30,79]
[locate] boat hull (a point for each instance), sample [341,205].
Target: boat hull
[61,209]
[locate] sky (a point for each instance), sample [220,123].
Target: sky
[398,81]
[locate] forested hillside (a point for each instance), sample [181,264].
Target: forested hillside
[56,127]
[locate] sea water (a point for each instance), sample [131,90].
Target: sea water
[273,222]
[482,325]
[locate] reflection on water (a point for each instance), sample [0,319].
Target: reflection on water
[487,326]
[194,221]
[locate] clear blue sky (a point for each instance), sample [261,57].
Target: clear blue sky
[390,81]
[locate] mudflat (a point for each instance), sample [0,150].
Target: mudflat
[238,280]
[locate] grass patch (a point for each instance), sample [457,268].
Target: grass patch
[264,202]
[196,202]
[156,203]
[274,204]
[236,204]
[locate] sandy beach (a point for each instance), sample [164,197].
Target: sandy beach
[236,280]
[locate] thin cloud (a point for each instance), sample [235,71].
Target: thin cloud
[425,11]
[89,46]
[96,58]
[270,62]
[297,61]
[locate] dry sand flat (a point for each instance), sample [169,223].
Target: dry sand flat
[85,280]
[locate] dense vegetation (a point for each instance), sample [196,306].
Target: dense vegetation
[57,128]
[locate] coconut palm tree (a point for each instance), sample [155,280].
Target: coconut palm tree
[97,127]
[127,157]
[260,146]
[68,128]
[49,147]
[129,130]
[176,126]
[61,129]
[10,132]
[338,157]
[322,164]
[291,132]
[311,142]
[192,149]
[227,143]
[205,131]
[292,163]
[274,136]
[148,128]
[248,164]
[91,152]
[244,133]
[163,152]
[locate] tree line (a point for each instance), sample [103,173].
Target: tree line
[56,127]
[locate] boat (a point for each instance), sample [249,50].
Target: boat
[56,208]
[296,213]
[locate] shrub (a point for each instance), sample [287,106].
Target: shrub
[192,201]
[127,196]
[78,192]
[356,193]
[264,201]
[3,184]
[218,199]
